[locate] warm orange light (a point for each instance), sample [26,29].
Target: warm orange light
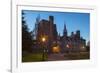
[56,49]
[43,39]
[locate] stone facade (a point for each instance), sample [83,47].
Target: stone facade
[48,29]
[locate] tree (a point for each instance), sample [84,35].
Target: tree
[26,36]
[88,48]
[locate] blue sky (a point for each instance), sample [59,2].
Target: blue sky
[74,21]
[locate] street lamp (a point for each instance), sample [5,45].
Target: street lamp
[43,40]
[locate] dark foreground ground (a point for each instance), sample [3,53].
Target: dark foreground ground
[39,57]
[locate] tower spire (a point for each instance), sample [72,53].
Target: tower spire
[65,30]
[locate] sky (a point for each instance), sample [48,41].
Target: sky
[74,21]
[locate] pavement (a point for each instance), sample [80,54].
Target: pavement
[56,56]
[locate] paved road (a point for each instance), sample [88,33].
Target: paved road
[54,57]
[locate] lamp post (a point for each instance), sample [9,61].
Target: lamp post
[43,40]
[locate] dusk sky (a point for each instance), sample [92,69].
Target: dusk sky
[74,21]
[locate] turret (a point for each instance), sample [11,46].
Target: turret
[78,33]
[51,19]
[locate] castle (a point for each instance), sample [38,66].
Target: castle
[54,42]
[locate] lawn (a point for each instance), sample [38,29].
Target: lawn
[34,57]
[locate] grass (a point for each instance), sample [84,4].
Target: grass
[31,57]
